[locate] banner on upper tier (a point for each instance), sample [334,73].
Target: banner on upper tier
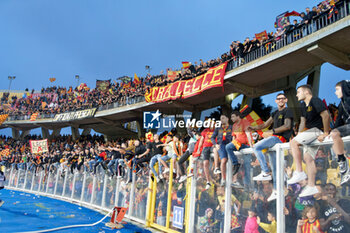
[38,146]
[77,115]
[214,77]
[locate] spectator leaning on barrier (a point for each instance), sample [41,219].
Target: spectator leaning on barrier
[342,128]
[282,120]
[314,118]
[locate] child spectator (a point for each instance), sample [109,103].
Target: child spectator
[270,228]
[310,221]
[251,224]
[206,223]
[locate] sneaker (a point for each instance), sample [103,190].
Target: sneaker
[236,185]
[182,178]
[262,176]
[308,191]
[345,178]
[190,175]
[1,203]
[223,183]
[158,179]
[297,177]
[273,196]
[166,170]
[217,171]
[161,176]
[235,168]
[207,186]
[343,166]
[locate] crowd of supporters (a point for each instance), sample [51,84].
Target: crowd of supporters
[55,99]
[311,200]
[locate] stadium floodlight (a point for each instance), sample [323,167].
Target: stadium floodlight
[77,77]
[10,79]
[148,69]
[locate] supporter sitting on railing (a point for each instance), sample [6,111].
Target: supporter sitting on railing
[315,118]
[342,128]
[282,120]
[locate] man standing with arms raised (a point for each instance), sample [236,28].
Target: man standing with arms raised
[282,120]
[315,118]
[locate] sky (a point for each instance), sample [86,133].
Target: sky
[106,39]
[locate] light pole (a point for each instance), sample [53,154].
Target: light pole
[11,78]
[77,78]
[148,69]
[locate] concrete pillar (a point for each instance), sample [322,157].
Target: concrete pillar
[179,117]
[75,133]
[15,133]
[313,79]
[24,133]
[55,133]
[45,133]
[86,132]
[196,115]
[140,130]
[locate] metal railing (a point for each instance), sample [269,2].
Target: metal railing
[103,193]
[319,22]
[126,102]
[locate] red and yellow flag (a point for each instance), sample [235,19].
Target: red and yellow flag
[127,85]
[149,136]
[172,75]
[43,105]
[5,152]
[3,118]
[261,36]
[185,64]
[136,80]
[254,119]
[34,116]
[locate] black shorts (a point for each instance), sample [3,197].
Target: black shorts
[344,130]
[206,153]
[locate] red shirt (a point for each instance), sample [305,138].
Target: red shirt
[308,227]
[238,131]
[207,133]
